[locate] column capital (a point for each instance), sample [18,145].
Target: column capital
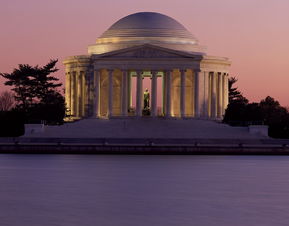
[182,70]
[96,74]
[205,72]
[87,71]
[154,72]
[139,71]
[87,76]
[168,73]
[67,70]
[168,70]
[97,70]
[79,73]
[125,71]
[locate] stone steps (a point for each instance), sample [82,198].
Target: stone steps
[146,128]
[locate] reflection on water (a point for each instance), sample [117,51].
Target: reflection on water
[79,190]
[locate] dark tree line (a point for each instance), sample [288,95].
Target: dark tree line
[36,93]
[267,112]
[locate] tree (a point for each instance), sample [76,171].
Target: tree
[6,101]
[276,117]
[236,108]
[235,111]
[35,91]
[234,93]
[268,112]
[51,109]
[32,84]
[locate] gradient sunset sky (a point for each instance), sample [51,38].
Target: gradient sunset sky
[254,34]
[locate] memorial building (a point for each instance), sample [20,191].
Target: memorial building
[184,81]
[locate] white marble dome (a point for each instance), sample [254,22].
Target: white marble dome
[146,27]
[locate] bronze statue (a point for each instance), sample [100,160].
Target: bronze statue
[146,98]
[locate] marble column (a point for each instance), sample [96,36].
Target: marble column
[223,93]
[168,75]
[73,93]
[220,95]
[206,95]
[139,96]
[129,96]
[124,91]
[96,107]
[88,84]
[86,92]
[197,93]
[83,93]
[214,95]
[183,93]
[79,94]
[164,92]
[110,93]
[67,90]
[154,94]
[226,91]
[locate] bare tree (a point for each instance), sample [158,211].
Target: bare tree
[7,101]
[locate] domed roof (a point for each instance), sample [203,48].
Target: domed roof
[142,28]
[147,20]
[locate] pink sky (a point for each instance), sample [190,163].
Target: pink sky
[254,34]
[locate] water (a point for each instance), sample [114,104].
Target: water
[106,190]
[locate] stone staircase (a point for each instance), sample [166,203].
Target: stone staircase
[146,128]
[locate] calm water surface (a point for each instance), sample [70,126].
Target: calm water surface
[78,190]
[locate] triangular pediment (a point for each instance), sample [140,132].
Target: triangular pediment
[146,51]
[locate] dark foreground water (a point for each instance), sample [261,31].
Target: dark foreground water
[77,190]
